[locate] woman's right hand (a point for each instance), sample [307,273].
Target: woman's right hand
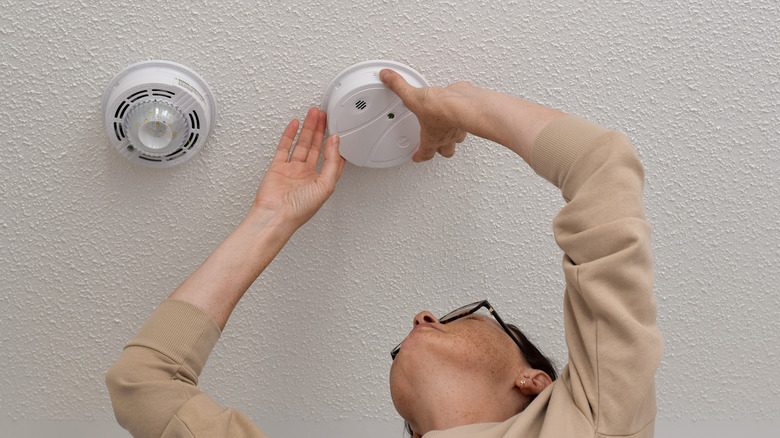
[448,114]
[434,108]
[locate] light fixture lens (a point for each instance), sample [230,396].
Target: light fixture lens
[156,127]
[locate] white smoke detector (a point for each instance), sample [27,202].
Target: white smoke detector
[374,126]
[158,113]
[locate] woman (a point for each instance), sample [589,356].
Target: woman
[456,377]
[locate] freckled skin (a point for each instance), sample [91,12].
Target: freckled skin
[470,366]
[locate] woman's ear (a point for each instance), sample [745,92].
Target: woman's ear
[532,381]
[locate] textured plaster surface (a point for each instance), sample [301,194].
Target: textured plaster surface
[91,243]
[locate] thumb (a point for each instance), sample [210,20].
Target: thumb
[397,84]
[334,163]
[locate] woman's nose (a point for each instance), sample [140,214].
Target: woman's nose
[425,317]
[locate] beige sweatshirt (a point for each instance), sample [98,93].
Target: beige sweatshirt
[614,343]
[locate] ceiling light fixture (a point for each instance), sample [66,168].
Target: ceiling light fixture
[158,113]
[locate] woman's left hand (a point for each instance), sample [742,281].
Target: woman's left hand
[292,186]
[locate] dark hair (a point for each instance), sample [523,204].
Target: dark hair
[533,355]
[535,358]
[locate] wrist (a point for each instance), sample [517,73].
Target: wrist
[460,108]
[265,224]
[504,119]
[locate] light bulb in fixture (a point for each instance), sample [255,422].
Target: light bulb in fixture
[156,127]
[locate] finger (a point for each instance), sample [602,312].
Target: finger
[333,163]
[301,149]
[423,154]
[283,150]
[397,84]
[447,151]
[428,147]
[316,141]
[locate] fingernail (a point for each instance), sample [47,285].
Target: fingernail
[336,140]
[383,75]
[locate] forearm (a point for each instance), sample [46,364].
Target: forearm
[507,120]
[218,284]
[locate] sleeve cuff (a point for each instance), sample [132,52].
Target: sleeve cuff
[560,144]
[180,331]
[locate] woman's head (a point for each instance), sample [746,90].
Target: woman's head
[465,369]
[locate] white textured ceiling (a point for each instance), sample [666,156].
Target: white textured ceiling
[90,243]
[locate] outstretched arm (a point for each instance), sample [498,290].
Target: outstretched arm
[614,342]
[447,114]
[153,384]
[290,194]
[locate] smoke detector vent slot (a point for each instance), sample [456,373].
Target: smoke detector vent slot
[191,141]
[118,131]
[361,104]
[120,110]
[138,95]
[194,120]
[163,93]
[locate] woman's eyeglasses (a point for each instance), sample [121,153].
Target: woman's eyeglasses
[466,311]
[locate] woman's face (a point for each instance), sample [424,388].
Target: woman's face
[440,360]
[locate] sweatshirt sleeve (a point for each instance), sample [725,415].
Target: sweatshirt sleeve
[153,384]
[612,335]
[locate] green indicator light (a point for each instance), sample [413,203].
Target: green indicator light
[391,116]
